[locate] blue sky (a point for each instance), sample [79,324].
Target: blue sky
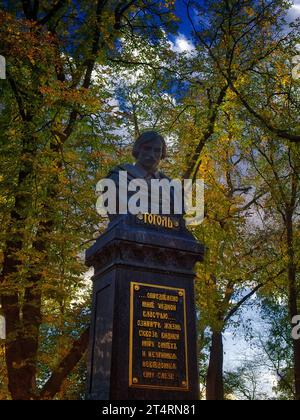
[184,41]
[295,10]
[236,349]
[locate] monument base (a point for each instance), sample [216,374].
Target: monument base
[143,333]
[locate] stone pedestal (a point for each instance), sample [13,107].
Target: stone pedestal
[143,333]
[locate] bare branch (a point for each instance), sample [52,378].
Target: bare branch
[57,6]
[68,363]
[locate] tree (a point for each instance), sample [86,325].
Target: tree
[237,45]
[244,383]
[51,52]
[277,166]
[276,346]
[236,267]
[82,80]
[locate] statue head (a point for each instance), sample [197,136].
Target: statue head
[149,149]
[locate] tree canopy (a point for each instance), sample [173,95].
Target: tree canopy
[83,80]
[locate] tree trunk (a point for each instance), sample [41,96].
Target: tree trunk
[21,349]
[22,300]
[214,378]
[21,334]
[22,327]
[293,296]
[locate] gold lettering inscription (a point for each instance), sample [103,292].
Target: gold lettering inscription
[165,375]
[167,306]
[149,305]
[155,315]
[166,345]
[162,296]
[158,365]
[148,334]
[164,222]
[156,219]
[170,336]
[159,329]
[148,324]
[148,375]
[148,343]
[168,326]
[162,355]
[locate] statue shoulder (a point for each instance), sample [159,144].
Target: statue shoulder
[123,167]
[162,175]
[129,167]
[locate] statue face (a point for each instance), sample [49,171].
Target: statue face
[150,154]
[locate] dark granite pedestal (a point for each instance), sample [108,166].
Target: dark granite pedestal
[143,333]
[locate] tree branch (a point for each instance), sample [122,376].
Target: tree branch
[241,302]
[279,133]
[120,10]
[248,296]
[57,6]
[53,385]
[195,160]
[19,100]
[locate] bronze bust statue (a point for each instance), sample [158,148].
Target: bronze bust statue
[148,150]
